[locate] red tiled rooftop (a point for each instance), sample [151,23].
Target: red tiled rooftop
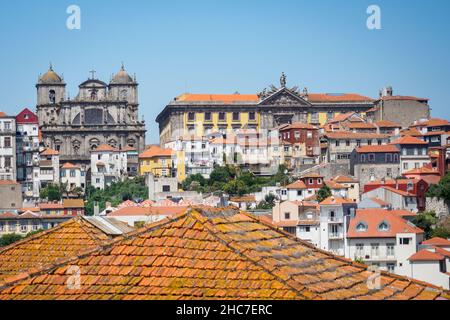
[336,201]
[156,151]
[378,149]
[437,241]
[297,185]
[405,140]
[209,253]
[49,152]
[426,255]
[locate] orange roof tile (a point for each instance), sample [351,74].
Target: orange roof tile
[437,241]
[333,185]
[148,211]
[105,148]
[358,125]
[408,140]
[73,203]
[355,135]
[50,206]
[67,240]
[372,218]
[49,152]
[2,114]
[297,185]
[335,201]
[225,98]
[380,202]
[344,179]
[208,253]
[345,97]
[426,255]
[400,192]
[156,151]
[378,149]
[8,182]
[69,165]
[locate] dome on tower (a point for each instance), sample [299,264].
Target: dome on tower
[122,77]
[50,77]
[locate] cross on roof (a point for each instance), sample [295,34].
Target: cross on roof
[93,73]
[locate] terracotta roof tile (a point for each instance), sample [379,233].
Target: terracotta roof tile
[297,185]
[336,201]
[49,152]
[387,124]
[46,248]
[208,253]
[426,255]
[156,151]
[378,149]
[69,165]
[105,148]
[408,140]
[437,241]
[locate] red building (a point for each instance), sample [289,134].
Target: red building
[301,133]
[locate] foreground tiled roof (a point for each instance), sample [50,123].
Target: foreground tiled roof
[48,247]
[206,254]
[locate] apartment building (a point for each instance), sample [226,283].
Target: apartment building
[73,175]
[48,167]
[335,214]
[369,163]
[108,165]
[158,161]
[7,147]
[27,151]
[383,239]
[304,138]
[341,144]
[414,153]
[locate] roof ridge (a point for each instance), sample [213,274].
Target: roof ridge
[212,227]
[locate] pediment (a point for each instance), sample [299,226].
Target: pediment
[284,97]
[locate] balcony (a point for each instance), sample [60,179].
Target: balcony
[335,220]
[336,236]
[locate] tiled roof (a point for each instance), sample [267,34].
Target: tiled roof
[380,202]
[433,122]
[49,152]
[2,114]
[105,148]
[69,165]
[297,185]
[67,240]
[156,151]
[405,140]
[148,211]
[335,200]
[27,116]
[345,97]
[241,199]
[214,254]
[224,98]
[355,135]
[358,125]
[400,192]
[378,149]
[372,218]
[313,175]
[344,179]
[422,170]
[426,255]
[73,203]
[8,182]
[389,98]
[437,241]
[334,185]
[49,205]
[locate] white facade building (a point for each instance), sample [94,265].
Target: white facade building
[73,175]
[7,147]
[107,165]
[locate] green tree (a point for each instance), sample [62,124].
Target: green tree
[235,187]
[441,232]
[444,185]
[51,192]
[323,193]
[268,202]
[426,221]
[194,182]
[8,239]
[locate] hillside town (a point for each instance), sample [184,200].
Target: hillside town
[322,189]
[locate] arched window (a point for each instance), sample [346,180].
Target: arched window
[131,143]
[94,143]
[52,96]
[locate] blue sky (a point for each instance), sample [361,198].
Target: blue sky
[226,46]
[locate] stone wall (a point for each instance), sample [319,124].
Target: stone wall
[439,206]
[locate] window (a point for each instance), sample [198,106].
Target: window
[166,188]
[361,227]
[63,173]
[391,267]
[358,143]
[405,241]
[442,266]
[359,250]
[251,116]
[7,162]
[221,116]
[207,116]
[388,157]
[347,143]
[236,116]
[405,166]
[297,134]
[299,193]
[191,116]
[287,215]
[7,142]
[337,143]
[363,158]
[52,96]
[375,249]
[371,157]
[383,226]
[72,173]
[369,142]
[390,249]
[380,142]
[23,226]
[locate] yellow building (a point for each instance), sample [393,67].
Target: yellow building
[201,114]
[157,161]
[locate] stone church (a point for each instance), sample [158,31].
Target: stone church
[100,114]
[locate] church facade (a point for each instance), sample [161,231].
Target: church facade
[201,114]
[101,113]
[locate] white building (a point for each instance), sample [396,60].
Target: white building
[7,147]
[398,199]
[335,214]
[108,165]
[27,150]
[383,239]
[196,153]
[48,168]
[73,175]
[432,263]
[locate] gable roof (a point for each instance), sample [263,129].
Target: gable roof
[336,201]
[372,218]
[104,148]
[297,185]
[69,165]
[49,152]
[207,253]
[344,179]
[437,241]
[156,151]
[426,255]
[67,240]
[387,124]
[405,140]
[27,116]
